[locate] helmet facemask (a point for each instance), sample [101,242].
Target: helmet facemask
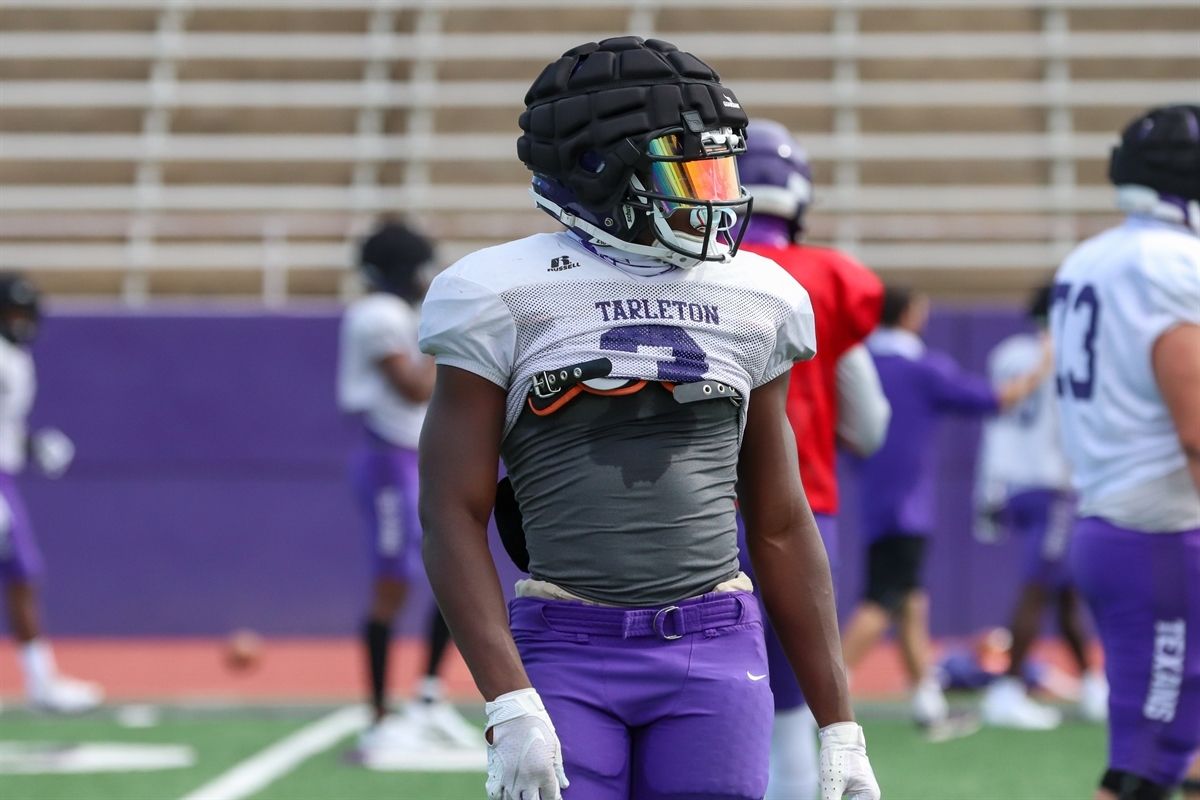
[670,199]
[695,205]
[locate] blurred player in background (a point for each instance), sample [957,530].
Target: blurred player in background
[1023,485]
[1126,326]
[898,486]
[385,379]
[834,396]
[633,370]
[20,559]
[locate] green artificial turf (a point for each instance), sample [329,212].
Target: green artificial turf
[330,775]
[989,765]
[219,744]
[993,764]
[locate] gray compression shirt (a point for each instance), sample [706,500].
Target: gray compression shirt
[628,500]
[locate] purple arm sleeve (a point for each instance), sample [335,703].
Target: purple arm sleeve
[957,392]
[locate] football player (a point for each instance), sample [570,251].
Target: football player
[20,559]
[633,373]
[1023,485]
[385,380]
[835,396]
[1126,325]
[898,487]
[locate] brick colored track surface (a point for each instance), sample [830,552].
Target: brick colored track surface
[306,670]
[196,669]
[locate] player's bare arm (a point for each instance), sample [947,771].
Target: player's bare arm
[1012,393]
[788,556]
[460,451]
[1176,362]
[411,377]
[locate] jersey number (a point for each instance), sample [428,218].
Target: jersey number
[687,363]
[1079,382]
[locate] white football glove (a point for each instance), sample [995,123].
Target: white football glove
[52,450]
[524,756]
[845,770]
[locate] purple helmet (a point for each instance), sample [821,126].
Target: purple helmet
[775,172]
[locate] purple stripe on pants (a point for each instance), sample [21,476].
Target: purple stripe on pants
[385,484]
[783,679]
[1144,590]
[643,716]
[20,558]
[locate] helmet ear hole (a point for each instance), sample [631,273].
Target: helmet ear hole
[592,161]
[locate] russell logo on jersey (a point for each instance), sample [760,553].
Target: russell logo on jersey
[561,263]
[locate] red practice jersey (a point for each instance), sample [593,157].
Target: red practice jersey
[847,299]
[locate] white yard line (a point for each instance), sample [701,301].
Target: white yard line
[264,767]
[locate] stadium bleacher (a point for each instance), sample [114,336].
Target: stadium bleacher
[164,148]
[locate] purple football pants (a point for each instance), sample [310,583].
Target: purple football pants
[1144,591]
[653,703]
[1042,519]
[783,679]
[384,478]
[20,559]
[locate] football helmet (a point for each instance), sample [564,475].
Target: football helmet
[633,145]
[391,260]
[775,171]
[20,309]
[1156,167]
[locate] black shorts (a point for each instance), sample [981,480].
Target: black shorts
[894,569]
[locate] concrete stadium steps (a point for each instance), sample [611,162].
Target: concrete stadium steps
[156,147]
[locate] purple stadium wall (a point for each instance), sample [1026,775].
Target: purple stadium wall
[210,488]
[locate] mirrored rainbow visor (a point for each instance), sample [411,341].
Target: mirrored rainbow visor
[702,179]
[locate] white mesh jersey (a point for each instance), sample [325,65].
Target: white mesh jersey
[374,327]
[1022,448]
[17,388]
[547,302]
[1113,297]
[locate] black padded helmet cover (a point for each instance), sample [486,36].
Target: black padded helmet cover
[391,257]
[612,98]
[17,292]
[1161,150]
